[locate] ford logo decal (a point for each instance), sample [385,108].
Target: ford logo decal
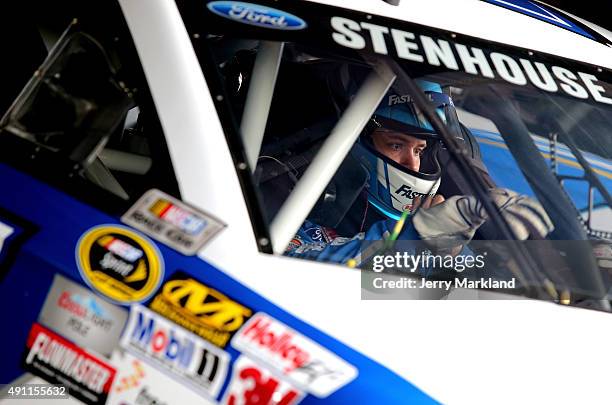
[255,14]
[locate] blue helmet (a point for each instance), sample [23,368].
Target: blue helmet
[393,187]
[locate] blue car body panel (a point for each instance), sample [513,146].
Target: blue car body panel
[60,220]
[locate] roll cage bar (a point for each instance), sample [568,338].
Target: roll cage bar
[304,196]
[325,164]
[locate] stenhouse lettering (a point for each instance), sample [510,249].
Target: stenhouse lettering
[472,60]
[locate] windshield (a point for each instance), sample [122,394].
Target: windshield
[357,130]
[571,137]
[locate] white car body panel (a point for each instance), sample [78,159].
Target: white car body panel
[460,352]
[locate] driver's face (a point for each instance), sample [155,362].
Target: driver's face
[399,147]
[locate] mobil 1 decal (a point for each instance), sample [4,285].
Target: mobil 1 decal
[172,222]
[59,361]
[301,361]
[200,308]
[121,264]
[177,352]
[437,50]
[81,316]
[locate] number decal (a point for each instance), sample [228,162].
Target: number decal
[254,385]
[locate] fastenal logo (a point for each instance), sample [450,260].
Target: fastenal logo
[407,192]
[304,362]
[255,14]
[200,309]
[395,99]
[118,262]
[170,347]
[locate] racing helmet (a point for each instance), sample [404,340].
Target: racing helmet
[393,187]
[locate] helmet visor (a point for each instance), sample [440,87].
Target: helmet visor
[446,110]
[400,113]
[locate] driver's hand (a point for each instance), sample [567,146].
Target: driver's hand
[460,216]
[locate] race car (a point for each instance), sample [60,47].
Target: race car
[188,188]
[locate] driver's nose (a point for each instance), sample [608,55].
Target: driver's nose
[411,160]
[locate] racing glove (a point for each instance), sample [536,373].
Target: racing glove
[459,217]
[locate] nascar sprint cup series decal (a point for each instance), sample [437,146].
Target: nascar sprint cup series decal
[303,362]
[258,15]
[199,308]
[192,360]
[81,316]
[120,263]
[172,222]
[59,361]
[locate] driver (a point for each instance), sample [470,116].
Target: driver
[401,154]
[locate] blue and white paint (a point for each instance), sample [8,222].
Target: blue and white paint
[535,10]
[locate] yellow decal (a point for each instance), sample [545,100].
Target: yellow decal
[119,263]
[201,309]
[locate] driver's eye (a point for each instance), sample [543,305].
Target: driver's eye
[396,147]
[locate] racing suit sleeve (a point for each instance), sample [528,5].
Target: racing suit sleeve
[315,242]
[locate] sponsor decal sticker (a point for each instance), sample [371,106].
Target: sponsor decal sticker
[60,361]
[258,15]
[177,216]
[172,222]
[81,316]
[253,385]
[200,309]
[320,234]
[132,379]
[295,243]
[303,362]
[192,360]
[120,263]
[139,383]
[315,233]
[407,192]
